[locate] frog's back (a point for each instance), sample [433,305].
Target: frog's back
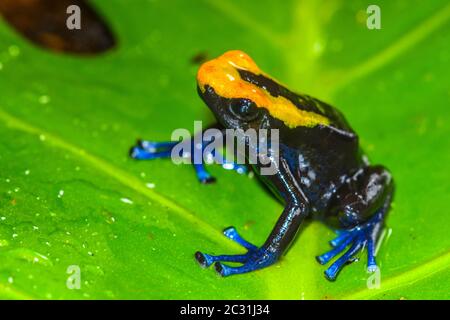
[320,156]
[303,102]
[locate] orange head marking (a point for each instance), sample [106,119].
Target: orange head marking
[222,75]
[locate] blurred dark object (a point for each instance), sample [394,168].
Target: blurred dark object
[200,57]
[44,23]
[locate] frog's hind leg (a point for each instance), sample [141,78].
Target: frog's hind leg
[357,238]
[362,216]
[364,236]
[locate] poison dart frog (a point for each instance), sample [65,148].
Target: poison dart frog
[321,173]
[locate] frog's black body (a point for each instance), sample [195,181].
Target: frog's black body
[321,173]
[309,153]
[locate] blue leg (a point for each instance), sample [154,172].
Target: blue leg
[358,238]
[326,257]
[202,175]
[371,263]
[334,269]
[226,164]
[255,258]
[251,261]
[342,236]
[206,260]
[147,150]
[152,146]
[141,154]
[232,234]
[294,213]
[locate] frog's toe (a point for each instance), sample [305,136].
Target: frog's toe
[205,260]
[343,235]
[253,260]
[371,262]
[207,179]
[134,152]
[339,247]
[225,270]
[332,272]
[231,233]
[357,238]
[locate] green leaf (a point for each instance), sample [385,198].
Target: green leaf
[69,194]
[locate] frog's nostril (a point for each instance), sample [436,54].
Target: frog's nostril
[45,23]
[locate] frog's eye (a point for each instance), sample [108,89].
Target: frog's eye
[244,109]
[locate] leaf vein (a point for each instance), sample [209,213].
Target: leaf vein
[394,50]
[406,278]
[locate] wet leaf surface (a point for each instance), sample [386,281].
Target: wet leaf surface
[69,195]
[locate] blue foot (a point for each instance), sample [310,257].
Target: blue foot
[255,258]
[357,238]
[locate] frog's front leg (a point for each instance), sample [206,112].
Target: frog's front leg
[283,233]
[361,211]
[147,150]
